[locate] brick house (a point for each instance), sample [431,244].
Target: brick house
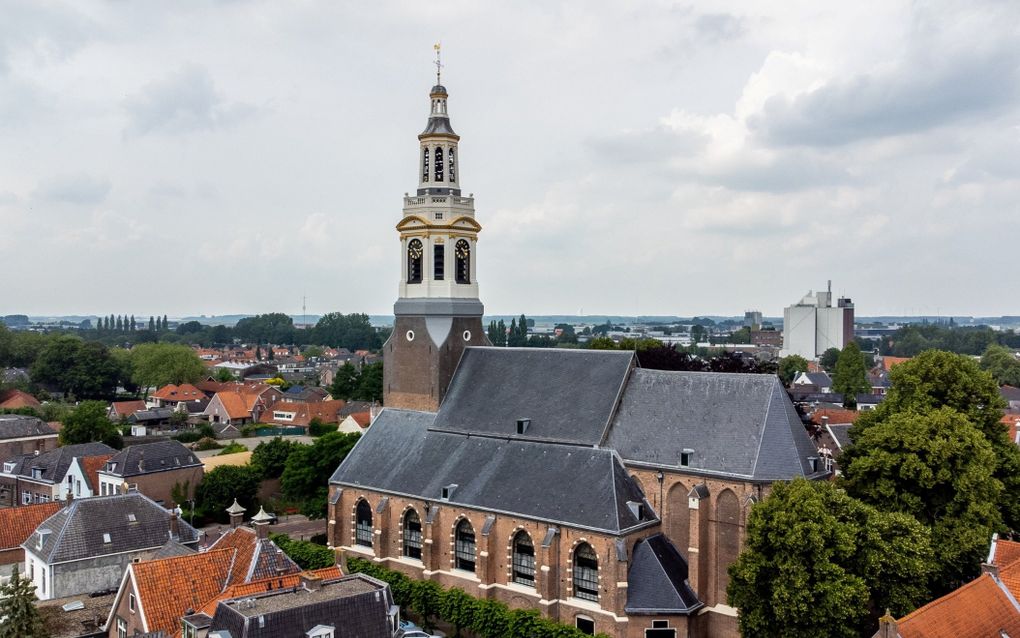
[83,475]
[12,399]
[16,525]
[24,435]
[170,395]
[40,478]
[86,545]
[154,469]
[300,414]
[121,410]
[575,483]
[241,404]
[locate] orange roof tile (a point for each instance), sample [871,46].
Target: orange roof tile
[127,408]
[979,608]
[362,418]
[13,399]
[888,362]
[1006,552]
[183,392]
[168,587]
[267,584]
[835,416]
[90,466]
[325,411]
[18,523]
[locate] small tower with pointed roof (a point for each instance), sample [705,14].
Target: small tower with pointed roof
[236,513]
[438,312]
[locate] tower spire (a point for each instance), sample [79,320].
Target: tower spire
[439,64]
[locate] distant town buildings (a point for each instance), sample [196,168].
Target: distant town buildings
[813,325]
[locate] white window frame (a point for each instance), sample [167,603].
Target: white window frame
[131,603]
[26,497]
[121,627]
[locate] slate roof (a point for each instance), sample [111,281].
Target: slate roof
[77,530]
[146,458]
[569,395]
[351,605]
[740,425]
[657,581]
[15,426]
[1009,393]
[18,523]
[579,486]
[152,414]
[172,548]
[840,433]
[55,463]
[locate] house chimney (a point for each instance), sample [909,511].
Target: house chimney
[175,526]
[310,581]
[236,513]
[825,420]
[887,627]
[261,523]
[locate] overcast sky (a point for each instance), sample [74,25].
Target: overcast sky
[626,158]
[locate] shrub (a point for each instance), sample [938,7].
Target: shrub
[306,554]
[207,444]
[232,448]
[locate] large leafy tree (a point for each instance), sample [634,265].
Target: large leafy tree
[817,558]
[270,457]
[352,331]
[273,327]
[851,376]
[938,468]
[370,383]
[308,468]
[88,423]
[829,359]
[84,369]
[157,364]
[790,366]
[1002,364]
[20,618]
[221,485]
[345,382]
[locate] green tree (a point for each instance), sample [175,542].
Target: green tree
[814,558]
[352,331]
[166,324]
[88,423]
[20,617]
[270,457]
[790,366]
[370,383]
[223,375]
[308,468]
[157,364]
[120,324]
[698,333]
[829,359]
[273,327]
[1002,364]
[221,485]
[851,377]
[938,468]
[152,324]
[345,382]
[84,369]
[602,343]
[306,554]
[457,607]
[426,598]
[490,619]
[311,352]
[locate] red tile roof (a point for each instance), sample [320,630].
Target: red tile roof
[325,411]
[267,584]
[127,408]
[90,466]
[835,416]
[980,608]
[183,392]
[12,399]
[1005,552]
[168,587]
[362,418]
[18,523]
[888,362]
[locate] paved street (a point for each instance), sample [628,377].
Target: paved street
[252,442]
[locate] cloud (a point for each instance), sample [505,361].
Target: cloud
[79,189]
[185,101]
[719,27]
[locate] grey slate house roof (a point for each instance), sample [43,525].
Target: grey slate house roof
[150,415]
[354,606]
[569,395]
[840,433]
[15,426]
[146,458]
[740,425]
[79,531]
[820,379]
[52,466]
[584,487]
[657,580]
[171,549]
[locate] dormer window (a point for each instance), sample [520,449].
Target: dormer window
[9,467]
[106,538]
[685,457]
[320,631]
[448,491]
[37,472]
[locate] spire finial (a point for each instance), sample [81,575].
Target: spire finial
[439,65]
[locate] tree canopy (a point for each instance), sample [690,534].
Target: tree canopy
[157,364]
[88,423]
[851,376]
[790,366]
[270,457]
[21,618]
[815,557]
[1002,364]
[829,359]
[273,327]
[84,369]
[352,331]
[221,485]
[308,468]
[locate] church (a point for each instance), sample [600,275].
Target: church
[609,497]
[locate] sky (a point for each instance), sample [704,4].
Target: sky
[627,158]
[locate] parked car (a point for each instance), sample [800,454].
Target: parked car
[407,625]
[417,633]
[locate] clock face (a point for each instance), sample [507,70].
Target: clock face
[415,249]
[462,249]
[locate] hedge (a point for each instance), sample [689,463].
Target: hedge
[306,554]
[485,618]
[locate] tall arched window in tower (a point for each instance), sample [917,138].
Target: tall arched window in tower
[586,573]
[412,535]
[523,559]
[463,267]
[425,164]
[363,524]
[415,252]
[452,170]
[464,549]
[439,163]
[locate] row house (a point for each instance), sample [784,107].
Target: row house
[159,470]
[300,414]
[242,404]
[16,525]
[610,497]
[21,435]
[40,478]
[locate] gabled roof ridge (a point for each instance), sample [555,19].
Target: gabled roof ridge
[67,512]
[761,431]
[947,598]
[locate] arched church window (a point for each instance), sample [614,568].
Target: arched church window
[363,524]
[438,153]
[452,169]
[415,252]
[425,164]
[464,549]
[586,573]
[412,535]
[462,251]
[523,559]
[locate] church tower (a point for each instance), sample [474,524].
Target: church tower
[438,313]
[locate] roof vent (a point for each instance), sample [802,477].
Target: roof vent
[813,460]
[523,425]
[106,537]
[448,491]
[637,509]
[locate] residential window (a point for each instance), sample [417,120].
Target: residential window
[42,575]
[131,602]
[523,559]
[412,535]
[9,467]
[586,573]
[44,498]
[77,488]
[464,548]
[187,630]
[26,498]
[121,628]
[363,524]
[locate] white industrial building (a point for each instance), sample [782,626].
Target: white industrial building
[813,325]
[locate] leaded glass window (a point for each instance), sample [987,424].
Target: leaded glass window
[464,546]
[363,524]
[412,535]
[523,559]
[586,573]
